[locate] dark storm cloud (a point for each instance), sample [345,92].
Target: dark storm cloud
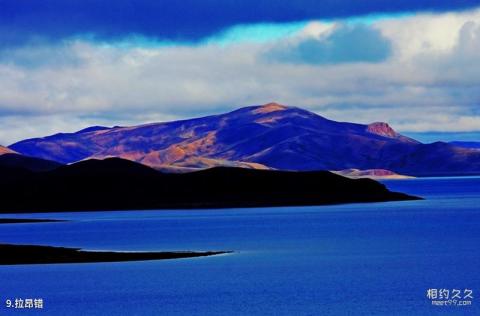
[31,21]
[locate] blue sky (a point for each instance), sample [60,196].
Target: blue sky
[65,65]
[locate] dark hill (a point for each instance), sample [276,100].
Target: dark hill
[12,160]
[116,184]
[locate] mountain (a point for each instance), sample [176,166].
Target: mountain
[14,165]
[472,145]
[271,136]
[116,184]
[12,160]
[370,173]
[5,150]
[199,163]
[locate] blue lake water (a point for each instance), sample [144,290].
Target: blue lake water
[356,259]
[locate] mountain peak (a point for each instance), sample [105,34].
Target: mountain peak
[270,107]
[92,129]
[382,129]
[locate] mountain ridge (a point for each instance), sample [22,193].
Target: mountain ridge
[265,136]
[119,184]
[466,144]
[6,150]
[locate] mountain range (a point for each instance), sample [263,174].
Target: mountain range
[270,136]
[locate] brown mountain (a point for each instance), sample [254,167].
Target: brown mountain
[272,135]
[377,174]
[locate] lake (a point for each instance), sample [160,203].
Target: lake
[356,259]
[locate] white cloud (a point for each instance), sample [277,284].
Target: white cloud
[428,84]
[426,33]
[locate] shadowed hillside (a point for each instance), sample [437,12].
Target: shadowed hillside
[116,184]
[28,163]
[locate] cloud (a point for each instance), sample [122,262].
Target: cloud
[343,44]
[427,83]
[57,55]
[24,22]
[468,45]
[426,34]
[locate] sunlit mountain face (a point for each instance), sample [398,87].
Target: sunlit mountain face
[5,150]
[267,136]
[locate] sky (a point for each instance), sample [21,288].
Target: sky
[69,64]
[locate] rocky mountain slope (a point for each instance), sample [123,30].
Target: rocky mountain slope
[268,136]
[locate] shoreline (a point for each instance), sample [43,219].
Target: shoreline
[28,220]
[394,197]
[11,254]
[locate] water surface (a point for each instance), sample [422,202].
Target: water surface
[356,259]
